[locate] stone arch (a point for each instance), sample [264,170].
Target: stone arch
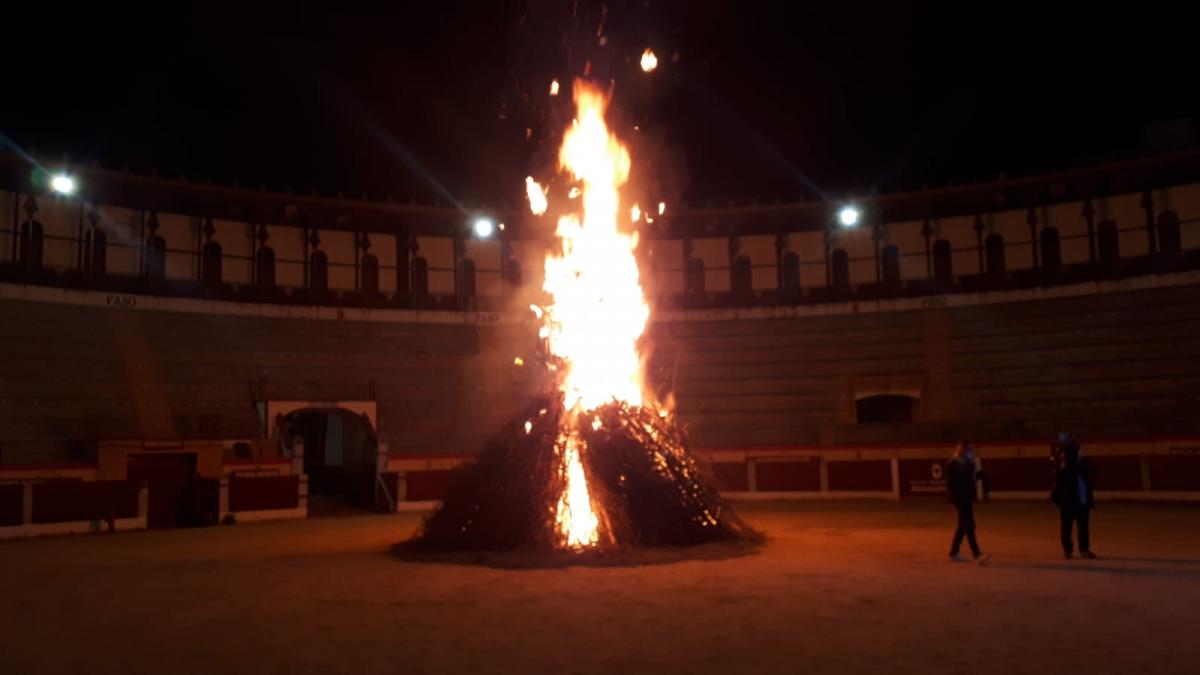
[994,256]
[1051,251]
[943,263]
[210,264]
[1170,239]
[1108,244]
[318,272]
[840,279]
[741,277]
[420,271]
[265,268]
[369,275]
[789,274]
[889,263]
[695,277]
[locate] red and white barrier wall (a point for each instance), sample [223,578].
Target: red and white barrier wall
[263,489]
[92,497]
[67,499]
[1165,469]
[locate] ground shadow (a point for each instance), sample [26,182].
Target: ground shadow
[1154,561]
[1092,567]
[557,559]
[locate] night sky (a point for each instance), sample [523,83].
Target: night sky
[749,101]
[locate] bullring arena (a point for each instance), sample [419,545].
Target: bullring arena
[840,587]
[236,403]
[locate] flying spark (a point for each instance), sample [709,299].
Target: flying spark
[536,195]
[649,60]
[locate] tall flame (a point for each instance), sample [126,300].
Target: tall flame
[598,311]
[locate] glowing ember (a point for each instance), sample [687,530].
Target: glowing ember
[662,208]
[536,195]
[635,214]
[577,522]
[649,60]
[554,87]
[518,361]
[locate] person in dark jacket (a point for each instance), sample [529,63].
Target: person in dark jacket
[1074,497]
[961,474]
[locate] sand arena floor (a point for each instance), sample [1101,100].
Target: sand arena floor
[839,588]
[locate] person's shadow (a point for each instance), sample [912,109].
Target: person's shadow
[1163,568]
[1152,561]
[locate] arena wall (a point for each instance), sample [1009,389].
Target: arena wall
[104,366]
[1147,469]
[1102,360]
[1136,196]
[1106,360]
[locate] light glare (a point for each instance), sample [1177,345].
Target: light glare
[484,228]
[62,184]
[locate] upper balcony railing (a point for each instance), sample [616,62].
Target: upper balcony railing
[24,244]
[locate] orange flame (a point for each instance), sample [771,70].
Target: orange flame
[576,520]
[598,311]
[536,195]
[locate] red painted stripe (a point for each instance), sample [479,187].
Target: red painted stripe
[830,446]
[939,444]
[51,466]
[432,455]
[841,446]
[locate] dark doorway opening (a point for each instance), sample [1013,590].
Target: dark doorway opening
[339,453]
[885,409]
[169,476]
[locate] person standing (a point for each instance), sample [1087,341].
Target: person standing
[961,474]
[1073,494]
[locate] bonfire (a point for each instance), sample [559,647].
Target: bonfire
[594,463]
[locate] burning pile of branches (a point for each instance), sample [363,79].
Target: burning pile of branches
[592,465]
[645,488]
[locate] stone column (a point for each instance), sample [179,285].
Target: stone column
[896,478]
[27,503]
[223,498]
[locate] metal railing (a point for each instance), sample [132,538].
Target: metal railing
[139,280]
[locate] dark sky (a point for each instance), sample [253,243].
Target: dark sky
[762,101]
